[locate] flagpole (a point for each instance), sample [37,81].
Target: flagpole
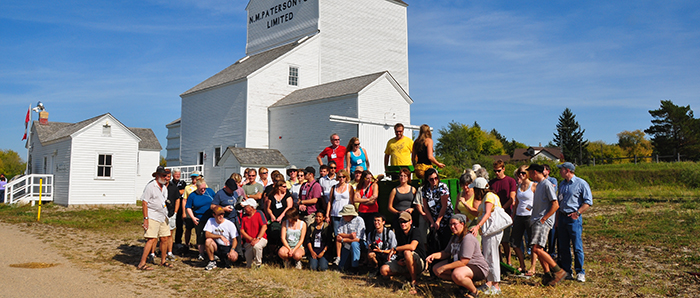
[29,138]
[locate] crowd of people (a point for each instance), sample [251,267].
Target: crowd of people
[333,220]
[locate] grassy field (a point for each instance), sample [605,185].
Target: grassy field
[643,248]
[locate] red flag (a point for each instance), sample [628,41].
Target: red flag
[26,123]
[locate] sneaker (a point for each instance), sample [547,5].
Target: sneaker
[568,276]
[482,288]
[151,259]
[558,277]
[336,261]
[170,257]
[216,258]
[298,265]
[581,277]
[200,258]
[492,291]
[210,266]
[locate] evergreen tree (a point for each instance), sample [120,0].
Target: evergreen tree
[569,137]
[674,130]
[509,147]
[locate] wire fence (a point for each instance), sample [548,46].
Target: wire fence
[636,159]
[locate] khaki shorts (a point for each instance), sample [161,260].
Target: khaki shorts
[418,264]
[157,229]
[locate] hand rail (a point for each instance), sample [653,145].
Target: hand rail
[26,189]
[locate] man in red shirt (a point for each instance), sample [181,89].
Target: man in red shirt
[253,228]
[334,152]
[505,187]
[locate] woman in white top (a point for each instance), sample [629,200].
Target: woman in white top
[521,221]
[341,194]
[293,233]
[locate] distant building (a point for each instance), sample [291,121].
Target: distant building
[313,67]
[95,161]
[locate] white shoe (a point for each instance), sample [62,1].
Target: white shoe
[298,266]
[581,277]
[336,261]
[210,266]
[492,291]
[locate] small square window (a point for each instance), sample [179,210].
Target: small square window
[104,166]
[294,76]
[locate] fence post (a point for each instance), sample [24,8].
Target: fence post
[679,157]
[635,159]
[594,161]
[657,158]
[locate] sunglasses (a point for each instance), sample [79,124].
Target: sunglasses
[404,221]
[332,168]
[342,177]
[263,173]
[357,144]
[398,131]
[522,173]
[336,140]
[434,179]
[498,171]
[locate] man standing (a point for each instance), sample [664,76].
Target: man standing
[253,232]
[326,181]
[544,206]
[221,238]
[171,203]
[253,190]
[574,198]
[410,251]
[552,240]
[179,220]
[398,148]
[155,217]
[504,186]
[334,152]
[309,194]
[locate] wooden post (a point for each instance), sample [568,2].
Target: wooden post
[38,214]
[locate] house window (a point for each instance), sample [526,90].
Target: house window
[200,158]
[106,130]
[217,156]
[104,166]
[46,161]
[294,76]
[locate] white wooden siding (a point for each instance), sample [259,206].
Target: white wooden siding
[270,84]
[361,37]
[61,165]
[173,145]
[305,129]
[148,162]
[84,187]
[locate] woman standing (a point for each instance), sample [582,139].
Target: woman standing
[489,244]
[366,195]
[356,156]
[422,153]
[341,195]
[293,184]
[463,262]
[436,196]
[293,234]
[401,197]
[524,199]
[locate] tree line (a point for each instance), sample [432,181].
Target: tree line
[674,132]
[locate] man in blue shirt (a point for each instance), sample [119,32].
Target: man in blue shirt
[574,198]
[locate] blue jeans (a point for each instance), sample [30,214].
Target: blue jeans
[320,264]
[345,253]
[569,232]
[336,223]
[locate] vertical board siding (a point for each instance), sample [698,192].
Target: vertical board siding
[148,161]
[305,129]
[361,37]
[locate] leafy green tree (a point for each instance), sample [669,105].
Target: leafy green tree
[634,143]
[509,147]
[163,162]
[11,164]
[459,145]
[606,153]
[674,130]
[569,137]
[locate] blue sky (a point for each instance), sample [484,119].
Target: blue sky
[512,66]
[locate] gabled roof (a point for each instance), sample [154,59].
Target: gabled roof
[251,156]
[524,154]
[242,68]
[149,141]
[329,90]
[176,121]
[56,131]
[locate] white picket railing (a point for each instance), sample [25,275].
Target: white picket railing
[27,188]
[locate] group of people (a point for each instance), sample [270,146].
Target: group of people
[335,220]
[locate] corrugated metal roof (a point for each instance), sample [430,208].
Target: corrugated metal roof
[251,156]
[54,131]
[329,90]
[242,69]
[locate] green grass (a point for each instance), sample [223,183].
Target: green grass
[97,219]
[628,177]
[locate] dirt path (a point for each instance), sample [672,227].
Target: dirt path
[63,280]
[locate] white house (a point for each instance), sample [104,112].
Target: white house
[313,68]
[95,161]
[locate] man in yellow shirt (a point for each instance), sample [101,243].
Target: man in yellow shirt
[398,148]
